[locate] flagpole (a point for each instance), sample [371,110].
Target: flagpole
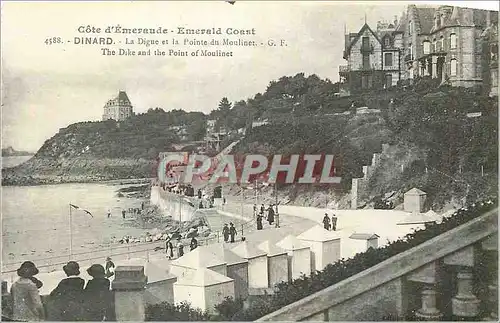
[70,235]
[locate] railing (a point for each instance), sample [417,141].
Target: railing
[141,250]
[418,283]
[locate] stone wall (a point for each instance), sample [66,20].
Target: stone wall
[359,185]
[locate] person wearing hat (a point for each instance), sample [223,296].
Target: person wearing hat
[232,231]
[68,294]
[110,266]
[326,222]
[97,294]
[26,302]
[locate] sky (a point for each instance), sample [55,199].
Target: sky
[47,87]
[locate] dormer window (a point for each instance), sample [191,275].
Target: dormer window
[387,42]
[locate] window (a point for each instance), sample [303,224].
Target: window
[434,45]
[388,80]
[388,59]
[453,67]
[441,43]
[387,42]
[410,30]
[366,61]
[453,41]
[427,47]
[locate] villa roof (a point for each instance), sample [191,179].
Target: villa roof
[200,258]
[271,249]
[358,35]
[248,251]
[319,234]
[202,277]
[426,19]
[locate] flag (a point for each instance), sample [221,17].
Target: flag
[79,208]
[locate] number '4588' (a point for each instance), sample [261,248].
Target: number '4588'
[53,40]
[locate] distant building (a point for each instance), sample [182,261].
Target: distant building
[118,108]
[455,45]
[445,43]
[373,57]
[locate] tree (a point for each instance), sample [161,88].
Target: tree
[223,113]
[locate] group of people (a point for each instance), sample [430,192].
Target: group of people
[229,231]
[169,247]
[272,215]
[330,225]
[71,300]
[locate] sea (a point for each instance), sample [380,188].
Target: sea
[36,220]
[12,161]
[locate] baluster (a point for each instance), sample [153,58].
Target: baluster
[429,311]
[490,246]
[428,275]
[465,304]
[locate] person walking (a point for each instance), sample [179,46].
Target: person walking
[26,302]
[180,248]
[169,246]
[225,232]
[259,222]
[110,267]
[334,222]
[262,209]
[109,213]
[68,295]
[98,296]
[270,214]
[326,222]
[232,231]
[123,214]
[194,244]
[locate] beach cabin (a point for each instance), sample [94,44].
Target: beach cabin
[237,268]
[277,263]
[364,241]
[258,276]
[299,256]
[414,200]
[324,244]
[203,288]
[160,285]
[200,258]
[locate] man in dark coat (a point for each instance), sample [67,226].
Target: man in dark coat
[326,222]
[194,244]
[262,209]
[98,296]
[232,231]
[68,295]
[225,232]
[270,214]
[259,222]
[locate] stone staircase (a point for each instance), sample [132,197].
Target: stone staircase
[451,277]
